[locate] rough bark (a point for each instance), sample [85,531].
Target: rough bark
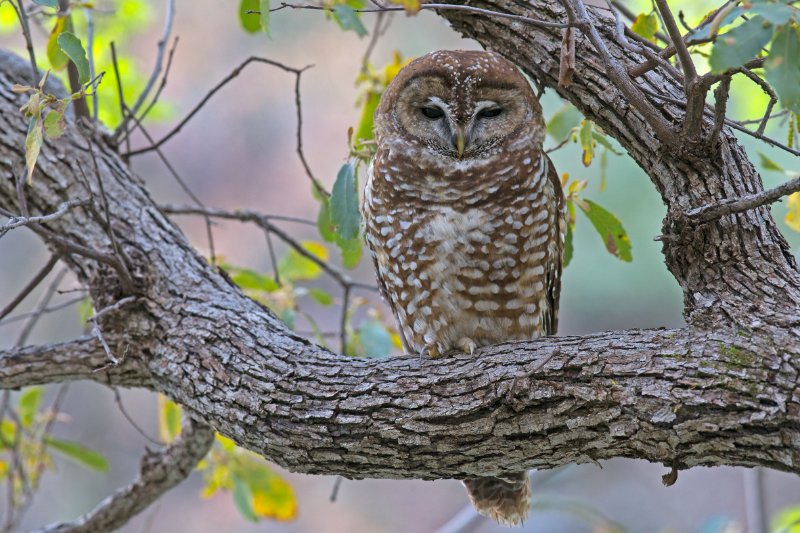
[722,391]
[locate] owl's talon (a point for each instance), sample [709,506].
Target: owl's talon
[466,345]
[431,350]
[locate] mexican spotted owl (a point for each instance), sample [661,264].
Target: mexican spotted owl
[465,219]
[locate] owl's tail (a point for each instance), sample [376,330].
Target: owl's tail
[503,500]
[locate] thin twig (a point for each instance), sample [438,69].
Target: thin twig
[26,33]
[440,7]
[264,222]
[343,320]
[121,99]
[45,311]
[131,421]
[711,212]
[163,81]
[90,55]
[720,107]
[162,46]
[60,211]
[40,307]
[185,187]
[32,284]
[227,79]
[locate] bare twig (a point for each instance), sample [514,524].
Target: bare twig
[131,421]
[26,33]
[265,222]
[439,7]
[185,187]
[227,79]
[159,472]
[343,319]
[60,211]
[163,81]
[40,307]
[90,55]
[733,124]
[121,97]
[720,106]
[45,311]
[162,46]
[708,213]
[32,284]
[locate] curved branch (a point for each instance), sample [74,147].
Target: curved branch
[159,472]
[83,358]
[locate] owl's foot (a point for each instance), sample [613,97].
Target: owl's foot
[432,350]
[466,345]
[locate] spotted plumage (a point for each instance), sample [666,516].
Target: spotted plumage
[465,218]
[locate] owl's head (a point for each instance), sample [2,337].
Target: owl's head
[460,104]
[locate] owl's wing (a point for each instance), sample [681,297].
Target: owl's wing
[555,251]
[385,295]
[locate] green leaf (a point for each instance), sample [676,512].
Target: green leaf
[586,140]
[610,229]
[33,143]
[320,296]
[783,67]
[71,45]
[242,498]
[29,402]
[251,22]
[351,251]
[270,495]
[47,3]
[345,213]
[85,311]
[739,45]
[251,280]
[264,17]
[295,267]
[326,228]
[777,14]
[603,140]
[787,520]
[705,32]
[562,122]
[568,248]
[769,164]
[169,419]
[348,19]
[78,453]
[365,125]
[54,122]
[646,26]
[603,170]
[375,339]
[58,59]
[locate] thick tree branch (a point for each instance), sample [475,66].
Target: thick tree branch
[159,472]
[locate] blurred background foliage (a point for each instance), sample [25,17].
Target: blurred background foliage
[239,153]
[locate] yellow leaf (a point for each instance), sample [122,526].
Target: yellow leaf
[793,215]
[275,501]
[646,25]
[411,6]
[169,419]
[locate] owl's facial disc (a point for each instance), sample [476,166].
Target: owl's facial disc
[459,123]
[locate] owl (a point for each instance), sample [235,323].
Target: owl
[465,219]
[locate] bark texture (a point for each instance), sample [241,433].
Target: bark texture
[721,391]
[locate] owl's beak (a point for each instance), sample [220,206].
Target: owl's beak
[460,141]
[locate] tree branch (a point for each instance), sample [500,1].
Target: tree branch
[67,361]
[159,472]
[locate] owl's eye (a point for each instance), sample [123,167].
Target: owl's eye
[432,112]
[491,112]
